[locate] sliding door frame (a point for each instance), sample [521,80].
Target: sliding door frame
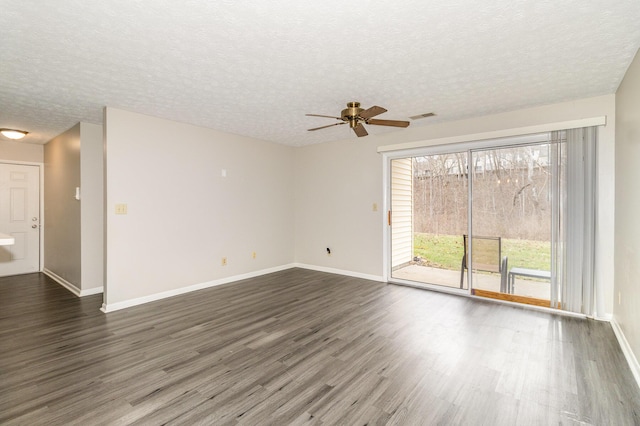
[468,147]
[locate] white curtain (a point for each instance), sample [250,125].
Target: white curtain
[573,233]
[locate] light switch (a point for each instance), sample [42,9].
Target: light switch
[121,209]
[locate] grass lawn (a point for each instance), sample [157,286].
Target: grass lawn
[445,251]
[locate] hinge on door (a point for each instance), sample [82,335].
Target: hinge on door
[389,217]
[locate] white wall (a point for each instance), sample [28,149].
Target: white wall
[21,151]
[627,207]
[336,186]
[74,229]
[183,216]
[91,207]
[61,209]
[337,182]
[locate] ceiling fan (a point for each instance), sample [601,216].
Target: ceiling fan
[356,116]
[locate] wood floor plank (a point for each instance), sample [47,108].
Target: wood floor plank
[303,347]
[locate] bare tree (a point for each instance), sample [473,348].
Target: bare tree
[510,192]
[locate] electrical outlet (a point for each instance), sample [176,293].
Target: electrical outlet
[253,255]
[224,261]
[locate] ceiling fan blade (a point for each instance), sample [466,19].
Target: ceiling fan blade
[372,112]
[324,127]
[360,130]
[394,123]
[325,116]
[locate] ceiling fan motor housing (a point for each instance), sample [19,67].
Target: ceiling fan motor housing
[351,112]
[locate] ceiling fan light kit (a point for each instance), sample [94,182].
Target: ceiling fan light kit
[356,116]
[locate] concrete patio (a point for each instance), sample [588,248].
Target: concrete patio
[483,281]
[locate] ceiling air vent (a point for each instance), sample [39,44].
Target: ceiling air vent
[419,116]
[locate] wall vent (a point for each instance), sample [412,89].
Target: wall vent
[419,116]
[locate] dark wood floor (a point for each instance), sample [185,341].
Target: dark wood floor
[303,347]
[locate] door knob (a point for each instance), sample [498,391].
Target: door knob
[34,219]
[34,226]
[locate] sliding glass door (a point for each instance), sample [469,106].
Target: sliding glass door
[511,222]
[429,204]
[511,219]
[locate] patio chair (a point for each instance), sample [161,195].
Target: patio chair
[487,254]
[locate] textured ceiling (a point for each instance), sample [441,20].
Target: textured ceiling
[256,67]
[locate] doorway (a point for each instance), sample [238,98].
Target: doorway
[429,204]
[20,218]
[489,218]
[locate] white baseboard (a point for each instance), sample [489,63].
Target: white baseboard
[110,307]
[604,317]
[626,350]
[64,283]
[71,287]
[91,291]
[378,278]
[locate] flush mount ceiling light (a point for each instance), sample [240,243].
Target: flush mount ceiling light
[13,134]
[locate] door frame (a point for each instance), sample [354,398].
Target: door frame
[40,167]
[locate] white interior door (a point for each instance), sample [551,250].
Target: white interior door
[20,218]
